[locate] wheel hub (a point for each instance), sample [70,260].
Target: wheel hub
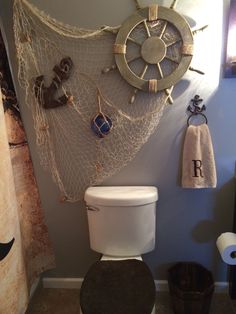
[153,50]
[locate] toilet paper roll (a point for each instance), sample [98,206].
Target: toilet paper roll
[226,244]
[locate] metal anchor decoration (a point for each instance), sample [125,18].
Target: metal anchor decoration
[5,249]
[195,103]
[195,109]
[46,95]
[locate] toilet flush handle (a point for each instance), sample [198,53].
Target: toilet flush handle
[92,208]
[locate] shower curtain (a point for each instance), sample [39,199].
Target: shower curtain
[25,249]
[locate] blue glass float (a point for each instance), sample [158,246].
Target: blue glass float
[101,125]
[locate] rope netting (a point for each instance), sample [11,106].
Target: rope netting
[74,154]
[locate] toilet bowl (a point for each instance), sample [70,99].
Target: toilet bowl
[121,224]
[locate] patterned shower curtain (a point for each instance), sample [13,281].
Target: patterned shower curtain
[25,250]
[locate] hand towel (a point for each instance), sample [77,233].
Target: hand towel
[198,167]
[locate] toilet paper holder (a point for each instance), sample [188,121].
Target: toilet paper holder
[233,254]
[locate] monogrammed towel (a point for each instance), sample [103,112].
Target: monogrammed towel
[198,168]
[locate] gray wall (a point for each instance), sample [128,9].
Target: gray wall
[188,221]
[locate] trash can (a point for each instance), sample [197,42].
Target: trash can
[191,287]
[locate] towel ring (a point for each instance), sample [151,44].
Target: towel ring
[194,115]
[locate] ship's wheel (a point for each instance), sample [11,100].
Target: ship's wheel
[164,49]
[156,48]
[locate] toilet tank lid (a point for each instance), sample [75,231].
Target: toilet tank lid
[121,195]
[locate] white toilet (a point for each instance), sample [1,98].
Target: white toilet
[122,222]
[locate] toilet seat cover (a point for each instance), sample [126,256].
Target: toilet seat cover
[118,287]
[121,195]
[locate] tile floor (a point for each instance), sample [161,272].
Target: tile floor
[66,301]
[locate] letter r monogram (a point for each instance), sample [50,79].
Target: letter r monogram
[197,164]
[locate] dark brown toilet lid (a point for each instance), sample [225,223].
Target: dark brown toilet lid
[118,287]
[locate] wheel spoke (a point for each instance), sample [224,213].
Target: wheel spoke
[171,59]
[144,71]
[160,70]
[163,30]
[173,42]
[108,69]
[133,97]
[196,70]
[134,41]
[147,28]
[199,29]
[133,59]
[168,92]
[174,3]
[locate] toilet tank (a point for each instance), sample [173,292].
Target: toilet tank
[121,219]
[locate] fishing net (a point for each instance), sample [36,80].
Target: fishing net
[67,146]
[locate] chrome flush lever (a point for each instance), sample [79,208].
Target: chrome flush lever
[94,209]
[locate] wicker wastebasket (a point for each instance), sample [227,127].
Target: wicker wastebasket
[191,287]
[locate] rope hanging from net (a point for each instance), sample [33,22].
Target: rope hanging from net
[86,128]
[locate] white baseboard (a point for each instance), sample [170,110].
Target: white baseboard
[75,283]
[221,287]
[161,285]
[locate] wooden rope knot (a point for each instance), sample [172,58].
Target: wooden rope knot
[187,49]
[152,86]
[119,49]
[153,12]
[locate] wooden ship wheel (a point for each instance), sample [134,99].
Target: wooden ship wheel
[166,47]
